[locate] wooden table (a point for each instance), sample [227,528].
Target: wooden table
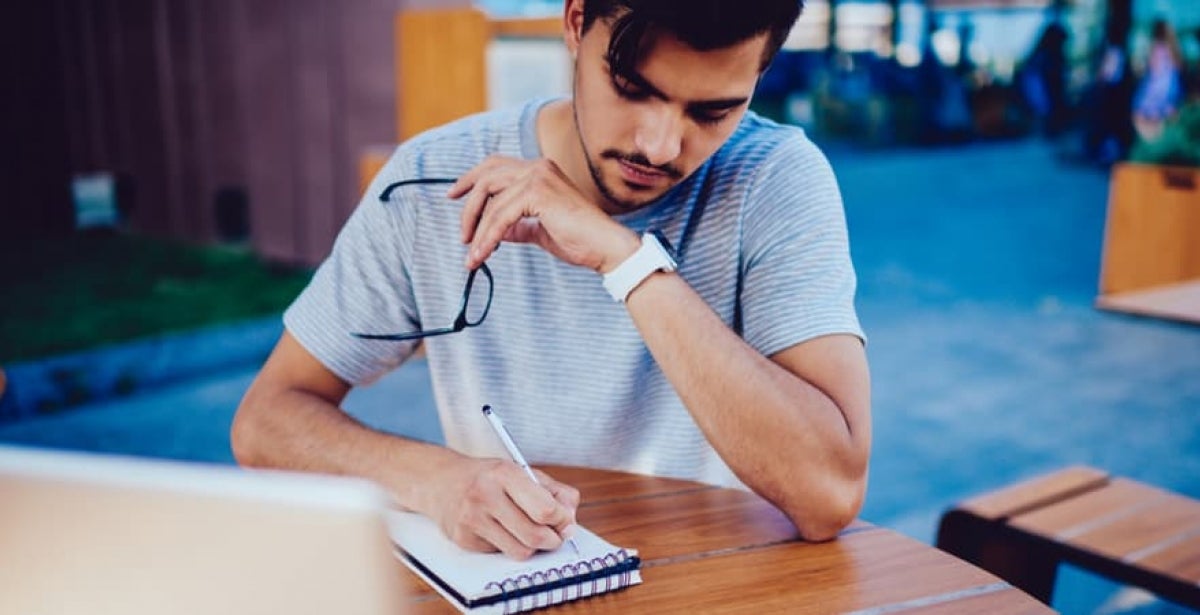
[708,549]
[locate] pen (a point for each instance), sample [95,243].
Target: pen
[515,453]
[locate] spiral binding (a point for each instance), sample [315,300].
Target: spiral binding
[596,571]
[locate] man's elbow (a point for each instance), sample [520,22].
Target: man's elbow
[245,435]
[822,518]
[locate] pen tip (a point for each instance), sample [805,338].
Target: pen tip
[487,409]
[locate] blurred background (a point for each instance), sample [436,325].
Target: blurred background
[1019,177]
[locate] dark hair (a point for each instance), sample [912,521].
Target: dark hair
[703,25]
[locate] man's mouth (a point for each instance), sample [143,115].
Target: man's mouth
[641,176]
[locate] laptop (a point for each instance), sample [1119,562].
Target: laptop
[97,534]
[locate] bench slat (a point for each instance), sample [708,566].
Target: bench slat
[1167,517]
[1089,511]
[1035,493]
[1180,560]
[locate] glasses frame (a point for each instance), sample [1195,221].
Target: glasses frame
[462,321]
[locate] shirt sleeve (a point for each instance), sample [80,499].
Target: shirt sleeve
[363,286]
[798,279]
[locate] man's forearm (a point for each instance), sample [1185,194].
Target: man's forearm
[297,430]
[781,435]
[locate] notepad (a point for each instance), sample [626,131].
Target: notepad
[494,583]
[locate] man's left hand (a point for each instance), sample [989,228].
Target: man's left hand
[533,201]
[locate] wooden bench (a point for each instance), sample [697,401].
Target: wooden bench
[1121,529]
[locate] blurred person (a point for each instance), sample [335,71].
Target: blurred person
[733,357]
[941,92]
[1109,132]
[1042,80]
[1160,91]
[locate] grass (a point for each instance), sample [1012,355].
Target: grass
[67,294]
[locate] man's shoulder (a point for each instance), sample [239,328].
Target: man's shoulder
[462,143]
[759,140]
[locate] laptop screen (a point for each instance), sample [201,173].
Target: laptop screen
[96,534]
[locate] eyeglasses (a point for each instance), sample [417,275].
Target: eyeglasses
[470,314]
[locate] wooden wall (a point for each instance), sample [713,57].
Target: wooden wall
[187,97]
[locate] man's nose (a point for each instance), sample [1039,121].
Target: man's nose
[660,135]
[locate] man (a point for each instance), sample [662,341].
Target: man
[744,364]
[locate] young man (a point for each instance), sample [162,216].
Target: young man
[745,363]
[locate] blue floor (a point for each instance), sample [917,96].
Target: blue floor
[977,268]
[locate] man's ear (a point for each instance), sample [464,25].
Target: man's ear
[573,25]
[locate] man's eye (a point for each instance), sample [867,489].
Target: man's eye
[707,117]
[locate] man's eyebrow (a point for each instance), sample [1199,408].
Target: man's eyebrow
[718,104]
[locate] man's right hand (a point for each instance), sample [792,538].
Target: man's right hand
[491,505]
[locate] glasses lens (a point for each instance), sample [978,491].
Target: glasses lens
[478,299]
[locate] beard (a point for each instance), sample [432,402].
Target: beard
[607,189]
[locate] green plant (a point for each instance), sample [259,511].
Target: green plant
[72,293]
[1179,144]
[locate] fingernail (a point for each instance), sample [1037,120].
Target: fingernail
[568,532]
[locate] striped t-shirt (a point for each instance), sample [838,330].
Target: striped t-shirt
[759,233]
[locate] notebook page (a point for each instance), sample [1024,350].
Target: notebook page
[470,572]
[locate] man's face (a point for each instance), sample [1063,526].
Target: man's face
[643,135]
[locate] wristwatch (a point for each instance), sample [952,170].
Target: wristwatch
[656,254]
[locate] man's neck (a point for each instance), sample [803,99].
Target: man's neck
[559,141]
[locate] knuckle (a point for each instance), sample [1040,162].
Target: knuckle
[571,495]
[543,514]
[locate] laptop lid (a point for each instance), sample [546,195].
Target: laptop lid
[84,533]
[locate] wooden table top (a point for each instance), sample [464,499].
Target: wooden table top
[707,548]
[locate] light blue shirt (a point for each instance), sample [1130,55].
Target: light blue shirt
[760,234]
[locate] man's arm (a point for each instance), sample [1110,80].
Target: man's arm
[794,427]
[289,419]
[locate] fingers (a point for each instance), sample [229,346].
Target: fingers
[479,184]
[504,510]
[500,214]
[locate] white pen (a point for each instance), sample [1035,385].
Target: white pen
[515,453]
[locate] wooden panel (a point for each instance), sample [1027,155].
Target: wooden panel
[1180,560]
[1152,232]
[441,67]
[527,27]
[1167,517]
[864,570]
[147,161]
[1090,510]
[312,42]
[675,526]
[33,122]
[596,486]
[222,92]
[1006,600]
[370,163]
[1173,302]
[369,88]
[867,570]
[1035,492]
[264,34]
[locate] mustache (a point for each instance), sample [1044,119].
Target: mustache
[642,161]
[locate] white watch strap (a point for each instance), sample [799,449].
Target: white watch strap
[652,256]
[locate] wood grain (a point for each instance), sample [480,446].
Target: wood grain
[866,569]
[1165,518]
[1035,492]
[1152,230]
[441,67]
[526,27]
[708,549]
[1069,518]
[1180,560]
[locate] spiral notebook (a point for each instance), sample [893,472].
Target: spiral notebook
[494,583]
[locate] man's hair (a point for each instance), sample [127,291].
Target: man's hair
[703,25]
